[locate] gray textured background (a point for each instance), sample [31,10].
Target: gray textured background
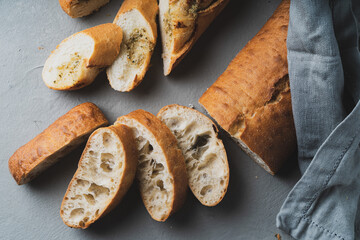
[30,30]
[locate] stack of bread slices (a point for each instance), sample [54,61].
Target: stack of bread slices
[125,46]
[165,153]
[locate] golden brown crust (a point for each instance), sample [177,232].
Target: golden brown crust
[251,99]
[73,7]
[107,38]
[127,140]
[203,20]
[220,142]
[149,9]
[174,158]
[58,139]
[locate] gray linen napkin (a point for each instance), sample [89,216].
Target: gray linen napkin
[324,64]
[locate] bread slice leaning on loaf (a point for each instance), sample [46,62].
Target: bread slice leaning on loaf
[106,171]
[81,8]
[137,18]
[182,22]
[205,155]
[161,169]
[78,59]
[66,133]
[251,99]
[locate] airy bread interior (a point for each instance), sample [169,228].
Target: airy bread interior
[156,184]
[67,67]
[136,49]
[205,156]
[81,8]
[166,33]
[96,181]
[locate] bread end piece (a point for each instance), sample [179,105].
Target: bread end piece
[78,59]
[106,171]
[81,8]
[66,133]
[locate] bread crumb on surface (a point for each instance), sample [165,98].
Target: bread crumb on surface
[278,236]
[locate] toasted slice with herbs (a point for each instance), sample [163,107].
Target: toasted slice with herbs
[137,20]
[181,23]
[205,155]
[78,59]
[106,171]
[81,8]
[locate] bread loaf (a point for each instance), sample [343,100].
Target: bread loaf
[106,171]
[81,8]
[161,170]
[181,24]
[58,139]
[137,18]
[205,155]
[251,99]
[78,59]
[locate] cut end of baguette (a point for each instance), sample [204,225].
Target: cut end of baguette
[137,46]
[102,178]
[81,8]
[66,68]
[205,155]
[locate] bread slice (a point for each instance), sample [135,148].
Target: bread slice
[81,8]
[253,103]
[205,155]
[161,167]
[66,133]
[106,171]
[137,20]
[78,59]
[181,23]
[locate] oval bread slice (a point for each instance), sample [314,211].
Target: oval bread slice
[161,168]
[137,18]
[81,8]
[78,59]
[205,155]
[66,133]
[106,171]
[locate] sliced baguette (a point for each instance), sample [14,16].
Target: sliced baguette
[181,24]
[106,171]
[66,133]
[137,20]
[81,8]
[161,167]
[205,155]
[78,59]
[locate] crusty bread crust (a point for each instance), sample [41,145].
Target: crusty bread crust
[174,158]
[203,20]
[251,99]
[78,8]
[219,144]
[107,40]
[58,139]
[148,9]
[126,138]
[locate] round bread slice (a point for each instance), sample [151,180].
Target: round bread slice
[106,171]
[161,167]
[137,20]
[78,59]
[205,155]
[81,8]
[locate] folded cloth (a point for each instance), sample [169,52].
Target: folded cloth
[324,64]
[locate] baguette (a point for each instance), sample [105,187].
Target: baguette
[78,59]
[106,171]
[161,170]
[205,155]
[181,23]
[137,20]
[81,8]
[66,133]
[251,99]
